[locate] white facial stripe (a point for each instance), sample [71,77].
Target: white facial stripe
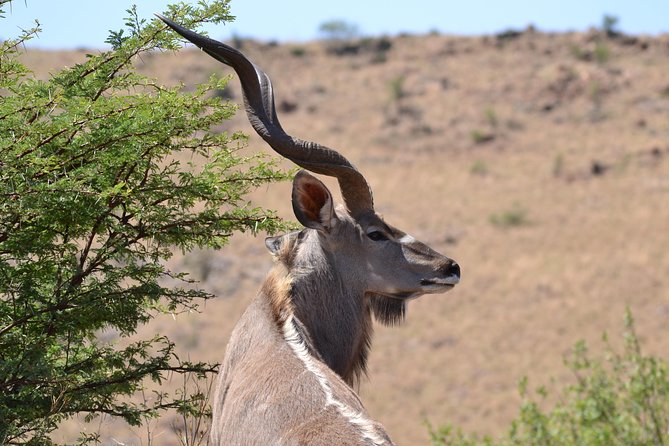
[298,346]
[407,239]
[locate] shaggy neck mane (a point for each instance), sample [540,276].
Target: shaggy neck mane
[333,319]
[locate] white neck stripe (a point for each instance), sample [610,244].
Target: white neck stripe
[299,347]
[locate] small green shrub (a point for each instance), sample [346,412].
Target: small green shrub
[620,400]
[516,216]
[480,136]
[579,53]
[237,41]
[558,165]
[379,57]
[602,53]
[397,91]
[338,29]
[491,117]
[609,25]
[479,168]
[448,435]
[298,51]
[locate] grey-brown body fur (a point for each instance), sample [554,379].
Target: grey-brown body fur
[265,396]
[276,399]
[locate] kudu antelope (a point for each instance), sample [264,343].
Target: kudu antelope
[297,352]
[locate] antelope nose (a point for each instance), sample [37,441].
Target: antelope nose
[452,269]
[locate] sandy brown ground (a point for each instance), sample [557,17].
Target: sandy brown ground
[543,171]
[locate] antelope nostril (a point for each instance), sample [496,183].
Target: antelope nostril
[452,269]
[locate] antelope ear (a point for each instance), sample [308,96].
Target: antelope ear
[273,244]
[276,244]
[312,202]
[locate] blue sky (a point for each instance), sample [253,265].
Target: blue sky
[85,23]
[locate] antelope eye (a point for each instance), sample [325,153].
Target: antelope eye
[377,236]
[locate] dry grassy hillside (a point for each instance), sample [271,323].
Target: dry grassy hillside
[540,162]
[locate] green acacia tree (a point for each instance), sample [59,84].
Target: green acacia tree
[93,199]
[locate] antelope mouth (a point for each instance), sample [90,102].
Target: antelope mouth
[427,286]
[438,285]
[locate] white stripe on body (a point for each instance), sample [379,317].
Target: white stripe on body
[299,347]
